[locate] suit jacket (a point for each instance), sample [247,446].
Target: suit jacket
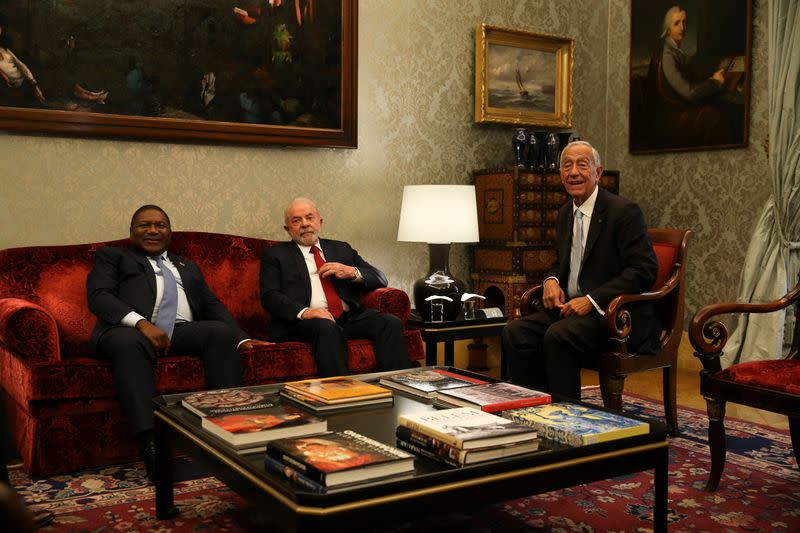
[618,257]
[123,280]
[286,284]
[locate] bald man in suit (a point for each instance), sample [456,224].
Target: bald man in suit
[314,295]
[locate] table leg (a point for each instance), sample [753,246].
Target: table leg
[165,505]
[660,494]
[449,353]
[431,349]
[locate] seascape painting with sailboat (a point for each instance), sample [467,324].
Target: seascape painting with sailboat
[521,78]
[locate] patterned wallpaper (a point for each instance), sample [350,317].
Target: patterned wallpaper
[415,126]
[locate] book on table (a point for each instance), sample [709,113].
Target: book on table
[322,407]
[221,401]
[427,383]
[432,448]
[340,458]
[339,389]
[493,397]
[575,424]
[467,428]
[249,431]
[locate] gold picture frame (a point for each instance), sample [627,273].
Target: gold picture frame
[522,77]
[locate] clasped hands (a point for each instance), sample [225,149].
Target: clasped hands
[161,342]
[553,298]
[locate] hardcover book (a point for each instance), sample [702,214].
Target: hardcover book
[341,457]
[437,450]
[467,428]
[494,397]
[322,407]
[249,429]
[338,389]
[427,383]
[575,424]
[221,401]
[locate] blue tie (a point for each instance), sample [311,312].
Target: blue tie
[576,256]
[168,309]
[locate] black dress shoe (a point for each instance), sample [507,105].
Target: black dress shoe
[42,518]
[149,456]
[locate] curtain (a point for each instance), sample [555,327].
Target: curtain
[773,255]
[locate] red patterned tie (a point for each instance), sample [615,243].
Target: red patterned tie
[334,302]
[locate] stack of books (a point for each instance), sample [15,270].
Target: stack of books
[328,394]
[463,436]
[428,383]
[246,420]
[336,459]
[575,424]
[492,397]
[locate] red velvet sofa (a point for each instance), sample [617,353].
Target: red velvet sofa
[61,402]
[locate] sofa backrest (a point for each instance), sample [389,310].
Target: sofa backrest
[54,277]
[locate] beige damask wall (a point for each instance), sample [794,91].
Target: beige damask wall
[415,126]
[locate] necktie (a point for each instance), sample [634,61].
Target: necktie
[168,308]
[576,256]
[334,302]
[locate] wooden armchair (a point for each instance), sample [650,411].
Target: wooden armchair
[614,360]
[772,385]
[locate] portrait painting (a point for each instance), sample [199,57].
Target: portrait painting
[689,75]
[522,78]
[254,71]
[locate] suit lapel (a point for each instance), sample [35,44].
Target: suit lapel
[151,274]
[596,224]
[300,264]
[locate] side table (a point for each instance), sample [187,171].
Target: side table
[435,332]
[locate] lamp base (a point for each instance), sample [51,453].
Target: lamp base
[438,284]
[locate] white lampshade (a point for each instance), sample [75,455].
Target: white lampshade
[438,214]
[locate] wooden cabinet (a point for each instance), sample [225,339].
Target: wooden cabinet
[517,210]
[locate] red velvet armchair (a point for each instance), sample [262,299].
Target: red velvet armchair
[772,385]
[614,360]
[61,402]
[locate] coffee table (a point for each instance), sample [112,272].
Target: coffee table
[433,488]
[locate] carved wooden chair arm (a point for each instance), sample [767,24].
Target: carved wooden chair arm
[618,319]
[708,337]
[530,300]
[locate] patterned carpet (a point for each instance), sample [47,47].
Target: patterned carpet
[759,492]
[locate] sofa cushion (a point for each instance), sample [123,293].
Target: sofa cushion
[780,375]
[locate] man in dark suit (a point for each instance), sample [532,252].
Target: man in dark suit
[150,303]
[602,251]
[311,288]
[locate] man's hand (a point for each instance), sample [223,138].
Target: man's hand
[719,76]
[338,270]
[317,313]
[579,306]
[157,336]
[552,294]
[253,343]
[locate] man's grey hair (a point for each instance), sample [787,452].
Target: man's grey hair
[299,199]
[674,10]
[595,153]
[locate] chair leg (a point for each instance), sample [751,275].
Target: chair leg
[716,441]
[611,391]
[670,379]
[794,432]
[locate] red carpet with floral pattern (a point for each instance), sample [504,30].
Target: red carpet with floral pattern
[759,492]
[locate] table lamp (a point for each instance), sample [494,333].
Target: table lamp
[438,215]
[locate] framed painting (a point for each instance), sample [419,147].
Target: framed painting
[255,71]
[523,78]
[689,75]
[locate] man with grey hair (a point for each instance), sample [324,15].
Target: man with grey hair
[311,287]
[602,250]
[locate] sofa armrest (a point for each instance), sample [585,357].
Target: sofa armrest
[388,300]
[28,330]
